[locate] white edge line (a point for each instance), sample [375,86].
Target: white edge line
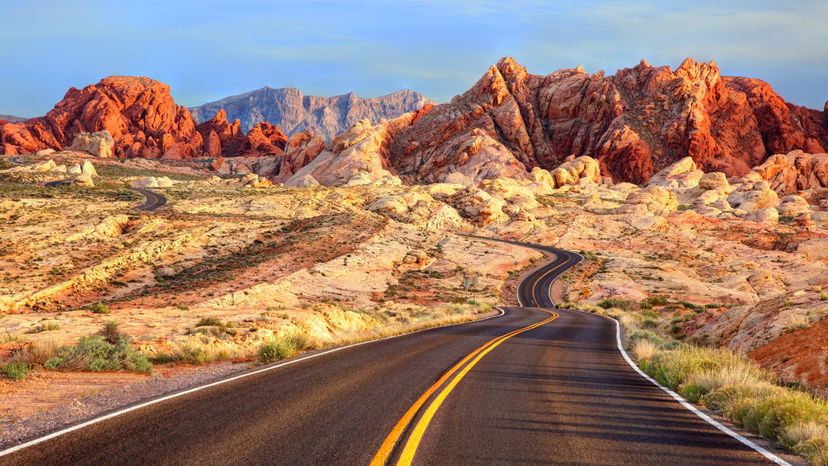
[723,428]
[120,412]
[746,441]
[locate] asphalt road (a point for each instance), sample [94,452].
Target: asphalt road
[154,200]
[530,387]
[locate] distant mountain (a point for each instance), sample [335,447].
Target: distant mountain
[12,118]
[294,112]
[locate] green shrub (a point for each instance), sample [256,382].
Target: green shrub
[210,322]
[624,304]
[108,351]
[282,347]
[193,354]
[15,370]
[654,301]
[99,308]
[738,389]
[44,327]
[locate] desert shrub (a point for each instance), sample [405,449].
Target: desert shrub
[210,322]
[99,308]
[654,301]
[797,321]
[738,389]
[44,327]
[107,351]
[215,327]
[42,350]
[644,350]
[809,439]
[192,353]
[624,304]
[279,348]
[674,367]
[15,370]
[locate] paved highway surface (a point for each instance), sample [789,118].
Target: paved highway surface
[154,200]
[533,386]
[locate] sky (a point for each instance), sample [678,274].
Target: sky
[207,50]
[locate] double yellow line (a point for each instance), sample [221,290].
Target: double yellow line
[537,280]
[410,447]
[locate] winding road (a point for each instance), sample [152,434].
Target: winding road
[154,201]
[533,385]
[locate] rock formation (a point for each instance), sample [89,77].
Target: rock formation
[294,112]
[795,171]
[99,143]
[138,112]
[222,138]
[635,123]
[137,117]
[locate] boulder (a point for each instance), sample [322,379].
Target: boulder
[303,181]
[581,169]
[714,181]
[793,206]
[84,179]
[87,167]
[753,196]
[655,200]
[683,174]
[99,143]
[153,182]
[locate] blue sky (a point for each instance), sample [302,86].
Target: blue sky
[207,50]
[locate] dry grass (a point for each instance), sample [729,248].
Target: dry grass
[645,350]
[739,390]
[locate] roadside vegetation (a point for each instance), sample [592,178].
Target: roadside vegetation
[107,350]
[719,379]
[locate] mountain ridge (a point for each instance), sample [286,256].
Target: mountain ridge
[293,111]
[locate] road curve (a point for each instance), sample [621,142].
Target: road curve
[531,386]
[153,202]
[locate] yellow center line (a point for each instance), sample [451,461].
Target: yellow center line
[416,437]
[534,285]
[384,452]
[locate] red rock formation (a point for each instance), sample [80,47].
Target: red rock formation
[264,139]
[144,120]
[226,139]
[636,122]
[138,112]
[221,137]
[301,149]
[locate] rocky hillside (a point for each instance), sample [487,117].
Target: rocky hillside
[636,122]
[294,112]
[143,120]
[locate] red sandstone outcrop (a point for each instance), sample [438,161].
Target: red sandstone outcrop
[636,122]
[143,120]
[138,112]
[795,171]
[222,138]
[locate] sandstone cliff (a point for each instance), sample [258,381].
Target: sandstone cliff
[636,122]
[138,112]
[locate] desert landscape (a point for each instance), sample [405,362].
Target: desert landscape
[149,248]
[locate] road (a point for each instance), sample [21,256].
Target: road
[154,200]
[533,386]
